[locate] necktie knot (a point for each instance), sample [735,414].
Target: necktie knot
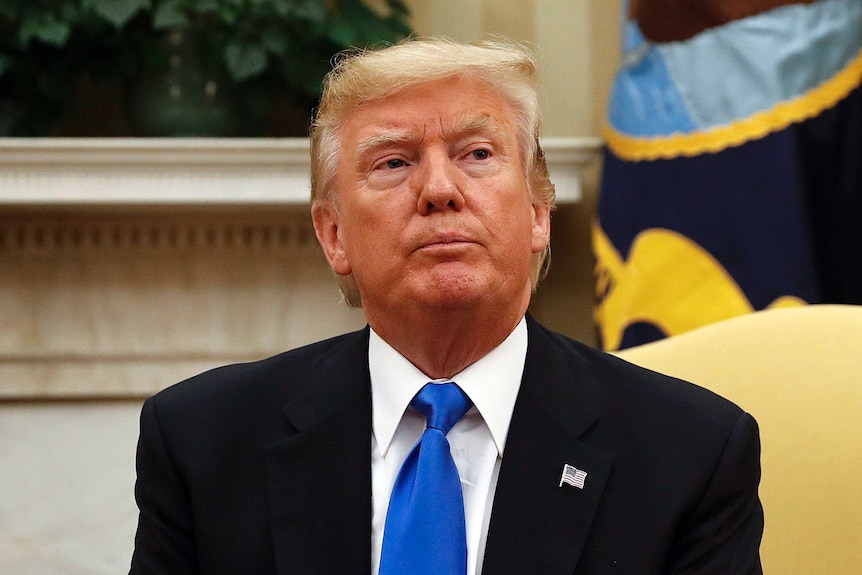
[442,404]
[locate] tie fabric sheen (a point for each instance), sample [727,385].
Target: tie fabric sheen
[425,532]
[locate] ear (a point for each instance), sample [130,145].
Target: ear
[541,226]
[326,228]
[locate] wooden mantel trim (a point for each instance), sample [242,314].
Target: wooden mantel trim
[197,171]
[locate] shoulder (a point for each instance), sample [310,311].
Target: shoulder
[273,381]
[635,394]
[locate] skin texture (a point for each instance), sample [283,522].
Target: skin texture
[434,219]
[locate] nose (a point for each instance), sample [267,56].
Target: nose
[438,185]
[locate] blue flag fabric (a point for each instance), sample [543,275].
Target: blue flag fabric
[732,179]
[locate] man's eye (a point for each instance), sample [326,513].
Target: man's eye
[481,154]
[394,163]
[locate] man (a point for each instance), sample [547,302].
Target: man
[431,200]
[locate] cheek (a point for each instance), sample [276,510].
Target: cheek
[515,215]
[369,239]
[512,235]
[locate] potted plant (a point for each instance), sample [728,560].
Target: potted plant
[179,63]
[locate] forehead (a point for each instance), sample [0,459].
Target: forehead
[443,108]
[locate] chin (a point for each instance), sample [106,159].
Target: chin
[455,291]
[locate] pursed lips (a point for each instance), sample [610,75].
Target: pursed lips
[445,239]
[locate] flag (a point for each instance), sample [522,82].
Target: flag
[732,177]
[573,476]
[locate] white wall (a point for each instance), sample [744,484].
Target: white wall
[66,478]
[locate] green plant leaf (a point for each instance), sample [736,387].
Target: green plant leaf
[9,11]
[45,28]
[244,62]
[54,33]
[312,10]
[169,15]
[5,63]
[356,24]
[274,41]
[271,48]
[119,12]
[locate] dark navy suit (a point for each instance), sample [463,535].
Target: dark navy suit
[265,468]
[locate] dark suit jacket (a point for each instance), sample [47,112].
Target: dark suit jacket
[264,468]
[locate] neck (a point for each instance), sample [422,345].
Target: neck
[444,344]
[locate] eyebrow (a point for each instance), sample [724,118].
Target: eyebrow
[460,127]
[384,140]
[466,125]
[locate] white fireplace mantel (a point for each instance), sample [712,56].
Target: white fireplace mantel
[197,171]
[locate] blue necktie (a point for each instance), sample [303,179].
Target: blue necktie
[425,532]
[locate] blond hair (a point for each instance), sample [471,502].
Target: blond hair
[362,76]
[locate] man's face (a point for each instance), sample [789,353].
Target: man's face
[432,203]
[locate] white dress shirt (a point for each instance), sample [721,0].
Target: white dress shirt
[477,440]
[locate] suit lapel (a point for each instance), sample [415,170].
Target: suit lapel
[537,526]
[319,476]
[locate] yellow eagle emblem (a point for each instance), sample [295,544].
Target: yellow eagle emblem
[668,281]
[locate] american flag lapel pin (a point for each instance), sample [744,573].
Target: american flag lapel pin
[573,476]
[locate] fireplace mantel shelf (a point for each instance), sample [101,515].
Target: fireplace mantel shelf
[197,171]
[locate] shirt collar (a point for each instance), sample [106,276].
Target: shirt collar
[492,384]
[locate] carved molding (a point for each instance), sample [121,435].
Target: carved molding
[81,234]
[120,305]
